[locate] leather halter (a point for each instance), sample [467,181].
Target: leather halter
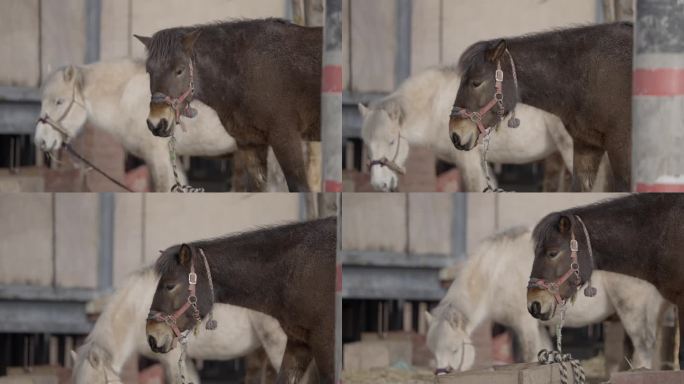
[190,303]
[57,124]
[497,100]
[449,369]
[391,164]
[554,287]
[180,104]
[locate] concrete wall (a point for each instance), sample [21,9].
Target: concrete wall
[421,222]
[414,223]
[440,31]
[39,36]
[55,239]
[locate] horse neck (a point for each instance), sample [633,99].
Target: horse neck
[103,87]
[540,78]
[245,279]
[431,93]
[120,326]
[475,309]
[608,227]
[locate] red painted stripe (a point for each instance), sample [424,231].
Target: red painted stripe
[658,82]
[333,186]
[339,278]
[644,187]
[332,79]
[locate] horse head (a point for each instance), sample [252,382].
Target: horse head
[93,365]
[182,299]
[172,73]
[559,268]
[487,93]
[448,341]
[62,109]
[387,148]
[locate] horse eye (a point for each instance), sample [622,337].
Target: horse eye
[476,83]
[59,102]
[553,254]
[170,287]
[392,142]
[179,71]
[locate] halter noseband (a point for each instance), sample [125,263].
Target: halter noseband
[180,104]
[554,287]
[190,302]
[57,124]
[497,100]
[391,164]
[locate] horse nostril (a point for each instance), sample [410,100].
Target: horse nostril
[152,342]
[150,126]
[535,309]
[455,139]
[163,124]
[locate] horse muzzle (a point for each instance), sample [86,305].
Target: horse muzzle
[160,337]
[160,120]
[463,134]
[540,304]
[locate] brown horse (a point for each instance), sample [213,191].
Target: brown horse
[582,75]
[262,77]
[287,272]
[638,235]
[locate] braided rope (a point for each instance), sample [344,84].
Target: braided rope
[178,187]
[485,166]
[549,357]
[182,361]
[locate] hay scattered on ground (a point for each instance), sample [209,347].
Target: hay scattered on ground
[389,376]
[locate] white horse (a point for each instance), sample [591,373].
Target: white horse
[120,332]
[114,96]
[491,285]
[417,113]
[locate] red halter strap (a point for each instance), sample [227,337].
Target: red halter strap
[476,116]
[190,302]
[554,287]
[180,104]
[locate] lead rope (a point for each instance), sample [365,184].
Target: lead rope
[178,186]
[557,356]
[183,340]
[485,167]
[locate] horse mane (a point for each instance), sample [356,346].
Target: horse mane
[264,236]
[547,224]
[101,332]
[166,42]
[476,51]
[472,274]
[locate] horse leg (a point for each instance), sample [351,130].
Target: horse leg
[621,164]
[287,147]
[324,354]
[586,160]
[249,169]
[468,164]
[295,361]
[531,338]
[161,171]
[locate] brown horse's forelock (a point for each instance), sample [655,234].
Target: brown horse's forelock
[543,229]
[472,54]
[165,44]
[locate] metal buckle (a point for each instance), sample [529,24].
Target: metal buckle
[192,278]
[498,75]
[475,117]
[574,246]
[574,266]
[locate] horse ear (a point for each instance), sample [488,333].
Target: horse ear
[144,39]
[184,255]
[69,73]
[495,52]
[428,317]
[74,356]
[363,110]
[564,224]
[189,40]
[94,358]
[395,111]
